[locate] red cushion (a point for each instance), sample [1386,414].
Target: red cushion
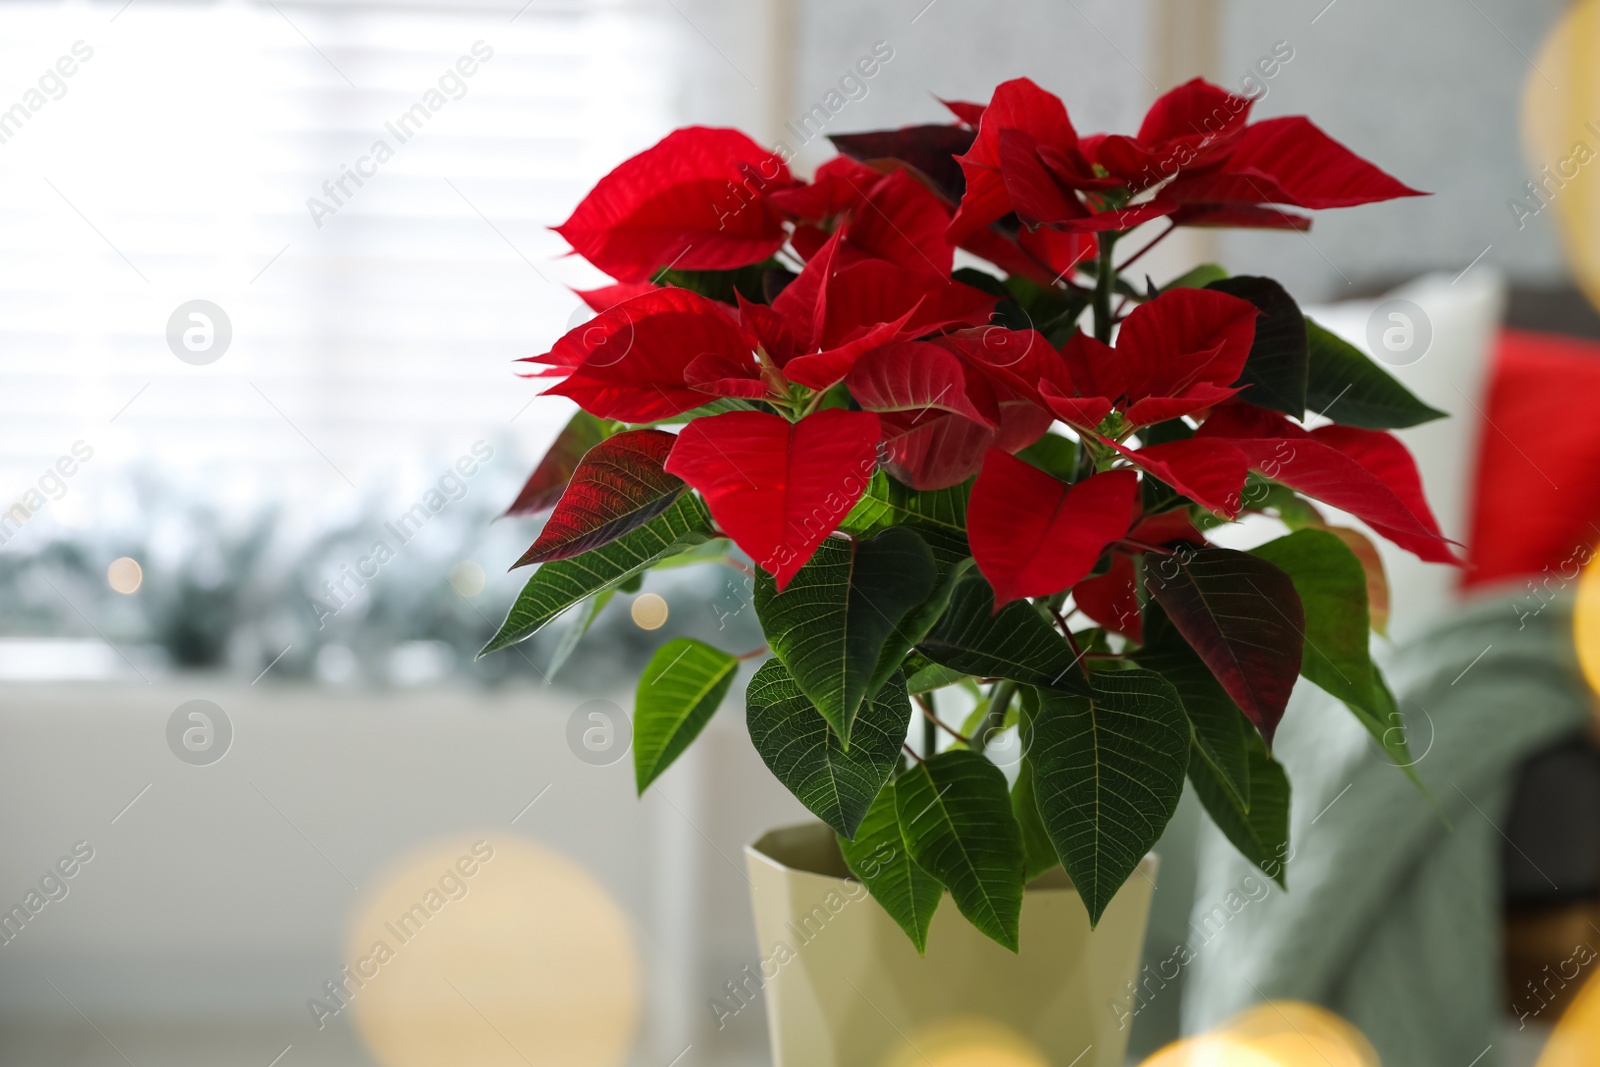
[1536,507]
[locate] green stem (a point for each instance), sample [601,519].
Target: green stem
[1105,283]
[930,728]
[995,717]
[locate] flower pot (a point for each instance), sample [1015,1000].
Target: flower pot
[844,987]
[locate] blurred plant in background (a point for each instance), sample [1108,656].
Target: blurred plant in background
[236,589]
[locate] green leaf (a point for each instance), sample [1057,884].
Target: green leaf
[1038,854]
[575,632]
[720,284]
[837,627]
[1108,772]
[1198,278]
[880,860]
[1276,373]
[938,515]
[1220,728]
[802,751]
[1260,831]
[1017,644]
[1352,390]
[1332,584]
[1057,456]
[955,814]
[679,691]
[558,585]
[927,676]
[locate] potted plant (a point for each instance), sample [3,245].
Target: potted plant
[994,479]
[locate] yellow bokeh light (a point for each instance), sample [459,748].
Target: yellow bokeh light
[124,576]
[466,578]
[1576,1040]
[1295,1034]
[1279,1033]
[1586,624]
[1210,1051]
[526,961]
[968,1043]
[649,611]
[1560,109]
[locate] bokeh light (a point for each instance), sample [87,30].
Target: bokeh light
[525,962]
[1586,623]
[466,578]
[124,576]
[1576,1040]
[1278,1033]
[968,1043]
[1560,103]
[649,611]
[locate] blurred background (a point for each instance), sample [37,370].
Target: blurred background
[196,516]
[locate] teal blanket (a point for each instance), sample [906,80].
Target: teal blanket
[1392,918]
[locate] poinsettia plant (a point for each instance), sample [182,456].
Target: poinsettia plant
[996,480]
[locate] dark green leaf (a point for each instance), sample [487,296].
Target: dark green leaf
[558,585]
[1275,375]
[880,860]
[1017,644]
[1352,390]
[955,814]
[1261,832]
[1198,278]
[837,627]
[804,753]
[938,515]
[1038,854]
[1057,456]
[679,691]
[1219,726]
[720,284]
[930,676]
[1108,773]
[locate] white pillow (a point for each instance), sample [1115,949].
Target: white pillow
[1464,312]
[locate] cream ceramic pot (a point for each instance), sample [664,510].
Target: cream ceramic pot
[844,987]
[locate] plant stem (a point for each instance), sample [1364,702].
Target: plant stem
[995,717]
[1162,236]
[932,723]
[1105,284]
[930,729]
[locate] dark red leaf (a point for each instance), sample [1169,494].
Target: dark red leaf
[1032,535]
[928,150]
[549,479]
[778,488]
[1244,619]
[1112,600]
[618,486]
